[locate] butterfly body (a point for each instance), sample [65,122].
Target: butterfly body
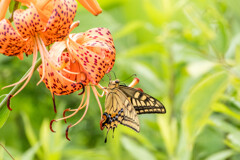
[123,104]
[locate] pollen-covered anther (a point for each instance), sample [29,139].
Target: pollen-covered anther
[64,114]
[83,88]
[54,103]
[51,125]
[69,126]
[8,102]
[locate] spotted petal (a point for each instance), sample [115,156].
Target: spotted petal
[94,52]
[59,23]
[58,80]
[100,41]
[11,42]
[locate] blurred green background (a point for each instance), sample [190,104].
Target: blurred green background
[186,53]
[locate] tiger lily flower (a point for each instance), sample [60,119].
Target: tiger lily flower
[37,27]
[90,55]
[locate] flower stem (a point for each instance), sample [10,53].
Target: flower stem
[15,88]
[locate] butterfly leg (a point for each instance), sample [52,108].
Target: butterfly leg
[102,88]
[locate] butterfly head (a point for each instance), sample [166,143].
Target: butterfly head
[113,84]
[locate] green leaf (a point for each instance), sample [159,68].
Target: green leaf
[45,137]
[32,138]
[218,107]
[168,130]
[233,138]
[237,54]
[136,150]
[197,106]
[4,114]
[128,29]
[225,154]
[29,154]
[221,124]
[197,109]
[29,130]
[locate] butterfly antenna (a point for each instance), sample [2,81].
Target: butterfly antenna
[114,75]
[134,75]
[109,76]
[7,151]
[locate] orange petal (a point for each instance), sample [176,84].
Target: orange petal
[92,6]
[93,64]
[56,83]
[100,41]
[60,21]
[3,7]
[27,21]
[11,42]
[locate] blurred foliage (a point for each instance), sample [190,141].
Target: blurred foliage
[185,53]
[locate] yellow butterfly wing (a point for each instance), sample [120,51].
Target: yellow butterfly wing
[142,102]
[118,109]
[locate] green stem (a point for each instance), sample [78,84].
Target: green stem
[15,88]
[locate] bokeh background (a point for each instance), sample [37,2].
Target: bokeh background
[186,54]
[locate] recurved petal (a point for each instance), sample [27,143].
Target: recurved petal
[60,21]
[92,6]
[56,82]
[99,40]
[28,21]
[94,65]
[98,33]
[59,80]
[11,42]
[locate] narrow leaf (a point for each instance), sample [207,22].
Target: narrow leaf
[4,113]
[197,107]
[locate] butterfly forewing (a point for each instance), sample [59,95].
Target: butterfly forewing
[142,102]
[119,110]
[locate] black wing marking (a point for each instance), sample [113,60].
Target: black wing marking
[120,110]
[142,102]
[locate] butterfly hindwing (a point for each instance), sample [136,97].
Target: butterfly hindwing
[118,109]
[142,102]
